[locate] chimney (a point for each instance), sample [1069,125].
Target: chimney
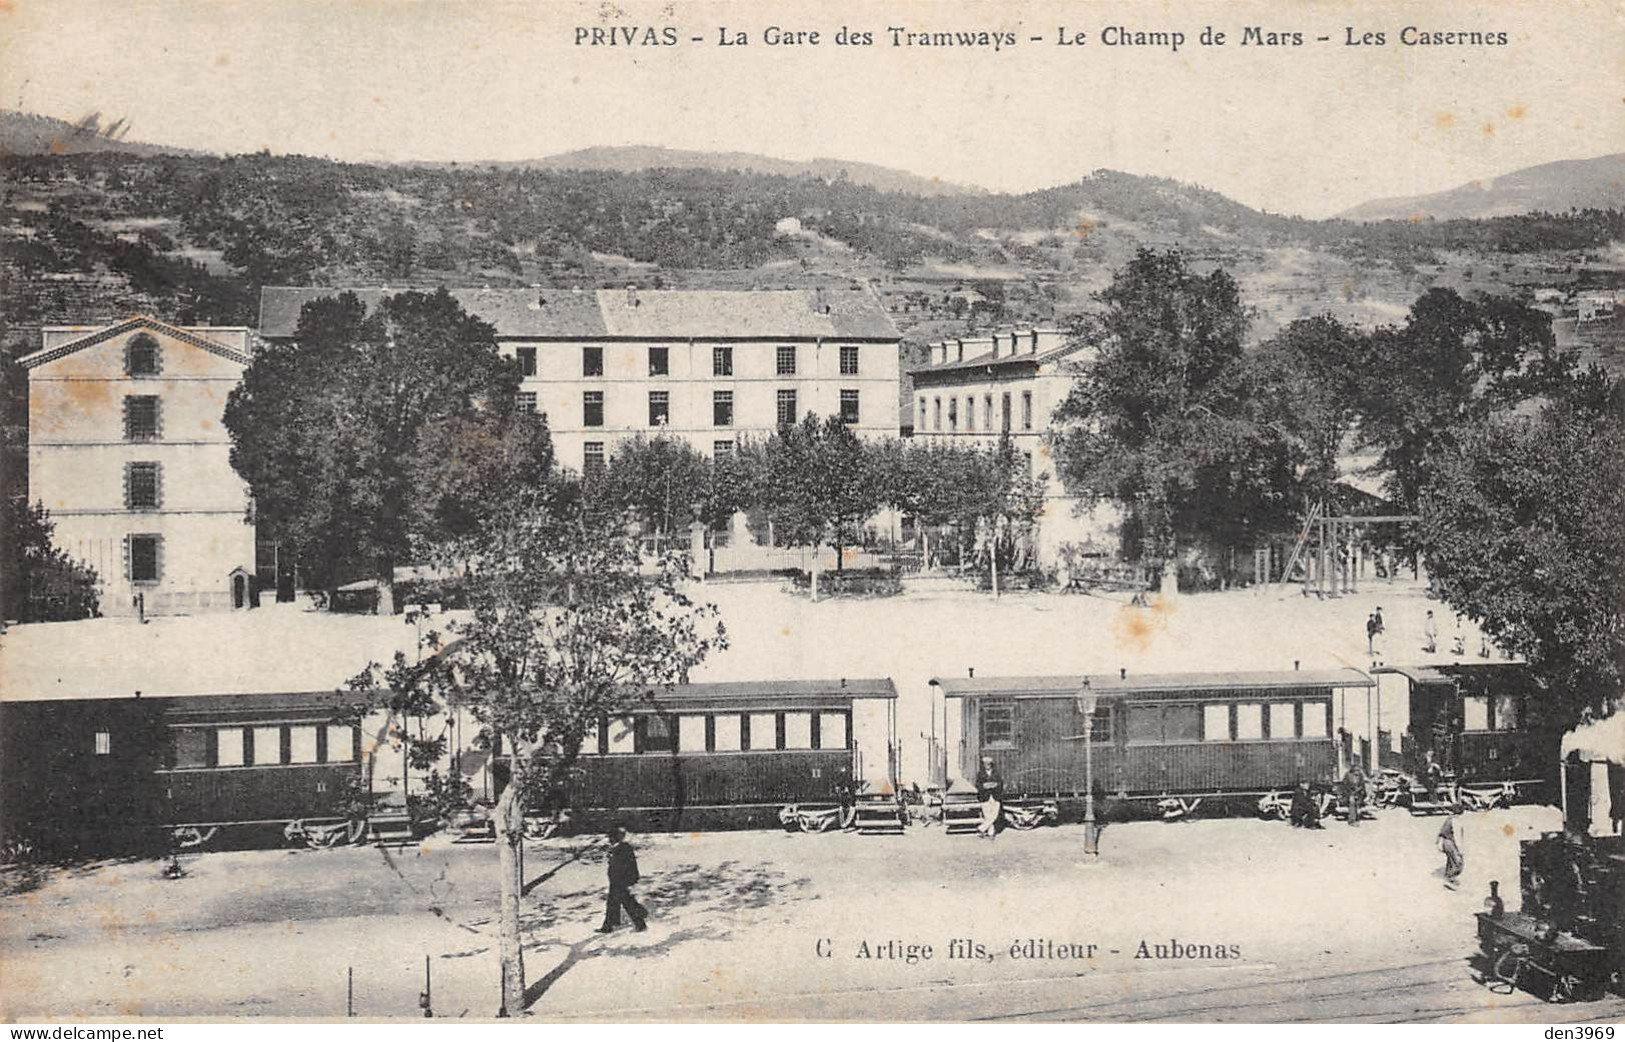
[971,672]
[631,294]
[1122,674]
[843,683]
[1294,665]
[959,349]
[819,301]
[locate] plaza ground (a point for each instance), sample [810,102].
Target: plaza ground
[1340,924]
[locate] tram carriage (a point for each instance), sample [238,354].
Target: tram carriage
[1173,739]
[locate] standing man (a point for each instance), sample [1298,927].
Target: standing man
[989,787]
[1430,630]
[1371,634]
[1453,861]
[623,873]
[1354,791]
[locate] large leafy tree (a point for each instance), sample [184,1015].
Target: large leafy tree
[53,586]
[370,433]
[568,622]
[660,480]
[817,486]
[1521,531]
[1305,388]
[1163,422]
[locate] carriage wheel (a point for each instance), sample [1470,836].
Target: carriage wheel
[1565,988]
[1023,823]
[1509,967]
[190,837]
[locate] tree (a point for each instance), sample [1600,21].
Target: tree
[661,480]
[568,622]
[346,436]
[1161,422]
[54,587]
[1306,385]
[817,486]
[1521,531]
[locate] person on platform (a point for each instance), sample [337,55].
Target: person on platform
[989,789]
[1354,791]
[1449,843]
[623,874]
[1304,813]
[1430,633]
[1432,776]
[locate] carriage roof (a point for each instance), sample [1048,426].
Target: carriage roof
[1133,686]
[1470,678]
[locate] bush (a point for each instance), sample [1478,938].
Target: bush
[852,582]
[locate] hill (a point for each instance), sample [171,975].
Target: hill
[1549,188]
[628,158]
[26,134]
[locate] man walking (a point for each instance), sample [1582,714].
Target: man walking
[1453,861]
[1430,630]
[623,873]
[1354,791]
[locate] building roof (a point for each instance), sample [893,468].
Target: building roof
[987,363]
[188,335]
[610,314]
[1148,683]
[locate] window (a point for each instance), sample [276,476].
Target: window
[527,401]
[970,412]
[1100,724]
[953,414]
[302,744]
[722,408]
[998,724]
[592,459]
[764,731]
[191,747]
[849,360]
[229,743]
[340,743]
[922,414]
[622,735]
[1216,723]
[655,734]
[144,558]
[141,356]
[1005,416]
[268,745]
[1249,721]
[659,361]
[592,408]
[832,731]
[659,408]
[141,486]
[592,361]
[1506,713]
[691,733]
[1475,713]
[849,406]
[787,408]
[527,361]
[1181,723]
[936,414]
[722,448]
[722,361]
[1144,725]
[987,412]
[726,733]
[1315,719]
[141,417]
[1026,410]
[798,731]
[104,743]
[1283,722]
[787,360]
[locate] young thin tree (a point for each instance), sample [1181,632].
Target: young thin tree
[817,486]
[568,623]
[328,430]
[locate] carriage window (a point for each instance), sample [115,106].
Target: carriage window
[104,743]
[655,734]
[1249,722]
[798,731]
[267,745]
[1182,723]
[1506,713]
[1314,719]
[998,724]
[1282,724]
[727,733]
[1475,713]
[191,747]
[230,752]
[622,735]
[832,731]
[764,731]
[1216,723]
[302,744]
[1145,724]
[691,734]
[340,743]
[589,738]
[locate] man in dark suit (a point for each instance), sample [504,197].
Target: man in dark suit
[623,873]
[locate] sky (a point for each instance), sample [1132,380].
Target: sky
[1310,130]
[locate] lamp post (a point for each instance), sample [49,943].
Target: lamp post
[1086,705]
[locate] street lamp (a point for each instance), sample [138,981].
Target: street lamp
[1087,700]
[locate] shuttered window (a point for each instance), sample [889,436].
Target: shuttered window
[143,558]
[142,486]
[998,723]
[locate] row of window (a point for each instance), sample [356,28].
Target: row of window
[1179,723]
[722,407]
[264,745]
[720,732]
[722,361]
[1004,419]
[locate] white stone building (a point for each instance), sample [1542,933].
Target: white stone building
[128,452]
[709,366]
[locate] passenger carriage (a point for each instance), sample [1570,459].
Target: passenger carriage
[1174,740]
